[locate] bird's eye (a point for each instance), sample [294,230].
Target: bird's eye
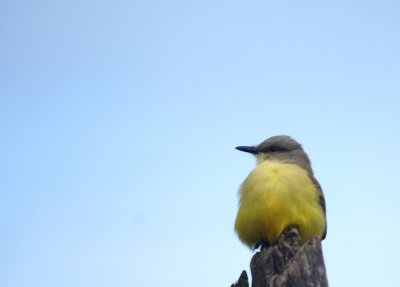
[273,148]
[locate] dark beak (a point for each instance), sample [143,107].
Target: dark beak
[250,149]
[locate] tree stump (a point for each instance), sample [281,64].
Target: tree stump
[287,264]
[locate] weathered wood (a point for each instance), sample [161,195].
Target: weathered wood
[243,280]
[288,264]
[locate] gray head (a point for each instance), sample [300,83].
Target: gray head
[280,148]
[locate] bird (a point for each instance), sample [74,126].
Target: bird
[280,192]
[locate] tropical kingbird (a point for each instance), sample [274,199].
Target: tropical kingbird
[281,191]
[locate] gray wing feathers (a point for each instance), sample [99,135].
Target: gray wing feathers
[321,200]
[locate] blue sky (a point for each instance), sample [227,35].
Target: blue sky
[119,121]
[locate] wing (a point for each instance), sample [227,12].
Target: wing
[321,201]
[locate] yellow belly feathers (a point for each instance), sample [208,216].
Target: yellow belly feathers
[274,196]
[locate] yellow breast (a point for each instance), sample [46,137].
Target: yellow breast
[274,196]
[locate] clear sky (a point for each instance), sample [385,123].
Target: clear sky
[119,120]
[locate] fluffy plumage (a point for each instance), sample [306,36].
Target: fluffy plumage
[279,192]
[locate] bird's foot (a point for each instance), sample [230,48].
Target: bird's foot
[260,245]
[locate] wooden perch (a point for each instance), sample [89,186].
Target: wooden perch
[287,264]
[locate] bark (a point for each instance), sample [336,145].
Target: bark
[287,264]
[243,280]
